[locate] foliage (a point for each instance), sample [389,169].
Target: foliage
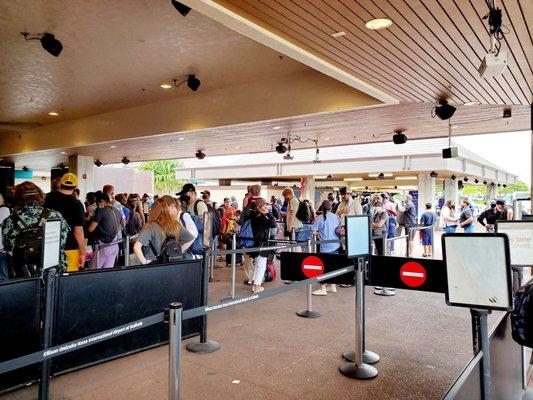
[165,181]
[519,186]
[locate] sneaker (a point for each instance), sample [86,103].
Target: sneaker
[331,288]
[346,285]
[259,289]
[320,292]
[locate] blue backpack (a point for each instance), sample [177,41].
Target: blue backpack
[197,246]
[246,235]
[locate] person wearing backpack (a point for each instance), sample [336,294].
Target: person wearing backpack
[244,238]
[162,239]
[297,213]
[105,227]
[24,227]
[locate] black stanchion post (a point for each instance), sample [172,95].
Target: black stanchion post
[358,369]
[233,264]
[127,251]
[49,305]
[174,377]
[97,254]
[480,337]
[309,312]
[408,234]
[293,238]
[205,345]
[380,290]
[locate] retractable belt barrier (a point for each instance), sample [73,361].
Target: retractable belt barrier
[120,330]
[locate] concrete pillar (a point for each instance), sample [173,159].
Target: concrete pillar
[426,192]
[451,190]
[82,167]
[491,192]
[309,189]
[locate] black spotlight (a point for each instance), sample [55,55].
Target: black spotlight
[476,180]
[25,169]
[99,163]
[381,175]
[399,137]
[329,177]
[433,174]
[125,160]
[281,148]
[492,184]
[443,110]
[182,8]
[465,179]
[366,187]
[193,82]
[504,185]
[484,182]
[453,177]
[200,155]
[395,187]
[499,184]
[51,44]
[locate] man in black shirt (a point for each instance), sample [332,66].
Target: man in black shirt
[72,210]
[488,217]
[502,212]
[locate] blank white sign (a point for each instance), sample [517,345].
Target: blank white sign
[477,271]
[520,241]
[51,245]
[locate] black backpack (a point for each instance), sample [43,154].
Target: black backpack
[28,249]
[522,315]
[217,220]
[304,212]
[170,251]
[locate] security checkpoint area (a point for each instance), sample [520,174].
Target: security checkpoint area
[140,171]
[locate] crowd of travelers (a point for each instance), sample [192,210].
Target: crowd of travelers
[167,228]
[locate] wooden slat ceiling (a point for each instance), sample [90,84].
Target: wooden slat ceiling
[433,49]
[355,126]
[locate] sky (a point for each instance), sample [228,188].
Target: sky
[511,151]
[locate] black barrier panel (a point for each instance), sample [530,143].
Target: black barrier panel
[408,273]
[300,266]
[94,301]
[20,333]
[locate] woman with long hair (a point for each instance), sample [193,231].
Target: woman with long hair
[448,220]
[163,222]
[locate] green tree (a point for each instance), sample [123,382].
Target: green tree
[165,181]
[519,186]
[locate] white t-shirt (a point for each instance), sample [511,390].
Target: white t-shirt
[189,224]
[4,213]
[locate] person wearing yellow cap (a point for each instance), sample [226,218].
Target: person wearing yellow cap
[72,210]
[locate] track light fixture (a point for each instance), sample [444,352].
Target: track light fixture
[381,175]
[465,179]
[285,145]
[98,163]
[484,182]
[182,8]
[125,160]
[25,169]
[329,177]
[48,41]
[281,148]
[504,185]
[492,184]
[200,155]
[476,180]
[192,82]
[443,110]
[433,174]
[399,137]
[499,184]
[453,177]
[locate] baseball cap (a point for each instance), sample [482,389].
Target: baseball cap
[207,192]
[69,180]
[500,202]
[343,190]
[493,203]
[188,187]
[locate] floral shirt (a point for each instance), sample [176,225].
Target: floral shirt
[30,215]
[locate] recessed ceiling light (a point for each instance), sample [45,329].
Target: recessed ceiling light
[352,179]
[112,146]
[378,23]
[405,178]
[181,138]
[455,126]
[325,139]
[64,152]
[473,103]
[338,34]
[276,127]
[377,175]
[53,113]
[166,86]
[320,177]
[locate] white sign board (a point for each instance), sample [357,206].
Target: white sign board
[357,235]
[51,243]
[520,240]
[478,270]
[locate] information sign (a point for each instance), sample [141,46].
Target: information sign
[51,243]
[357,235]
[520,235]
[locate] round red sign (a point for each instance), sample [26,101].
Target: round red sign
[312,266]
[413,274]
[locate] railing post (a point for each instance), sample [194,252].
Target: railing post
[309,312]
[233,264]
[204,346]
[97,255]
[174,376]
[358,369]
[408,234]
[51,284]
[127,251]
[380,290]
[480,336]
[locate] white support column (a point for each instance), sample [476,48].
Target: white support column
[82,167]
[309,190]
[491,192]
[426,192]
[451,190]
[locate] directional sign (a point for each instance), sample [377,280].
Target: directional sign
[312,266]
[413,274]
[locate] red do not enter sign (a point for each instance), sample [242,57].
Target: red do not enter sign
[413,274]
[312,266]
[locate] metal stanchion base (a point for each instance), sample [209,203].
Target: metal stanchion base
[369,357]
[381,291]
[308,314]
[363,371]
[203,348]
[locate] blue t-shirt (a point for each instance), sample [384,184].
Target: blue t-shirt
[428,218]
[326,231]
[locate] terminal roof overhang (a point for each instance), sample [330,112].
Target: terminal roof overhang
[407,160]
[367,84]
